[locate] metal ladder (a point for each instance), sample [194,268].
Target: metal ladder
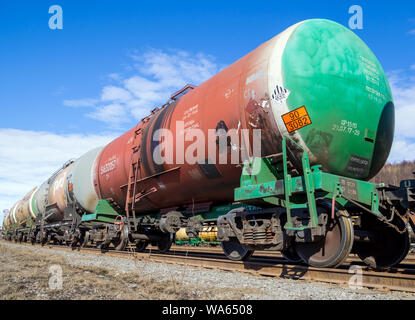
[133,175]
[311,201]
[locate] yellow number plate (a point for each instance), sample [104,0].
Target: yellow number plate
[296,119]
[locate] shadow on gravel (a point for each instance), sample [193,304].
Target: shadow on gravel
[284,270]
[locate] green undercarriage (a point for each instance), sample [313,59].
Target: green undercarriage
[276,186]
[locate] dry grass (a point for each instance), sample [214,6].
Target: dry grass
[24,275]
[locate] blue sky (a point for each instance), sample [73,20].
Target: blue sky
[65,91]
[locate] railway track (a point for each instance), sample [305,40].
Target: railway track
[409,260]
[401,278]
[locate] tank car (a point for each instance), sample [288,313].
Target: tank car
[316,101]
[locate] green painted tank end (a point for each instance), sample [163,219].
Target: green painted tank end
[333,73]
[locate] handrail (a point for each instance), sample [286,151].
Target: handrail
[186,87]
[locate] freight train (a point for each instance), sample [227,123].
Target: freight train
[323,108]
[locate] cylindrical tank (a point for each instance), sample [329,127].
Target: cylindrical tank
[51,197]
[41,198]
[57,190]
[13,212]
[25,210]
[209,233]
[80,186]
[316,83]
[181,235]
[6,221]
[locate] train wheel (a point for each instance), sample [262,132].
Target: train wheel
[103,246]
[389,247]
[121,243]
[85,240]
[165,243]
[236,251]
[43,239]
[333,248]
[291,255]
[141,246]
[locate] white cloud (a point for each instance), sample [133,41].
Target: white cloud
[113,114]
[412,31]
[111,93]
[114,76]
[403,91]
[80,103]
[155,76]
[27,158]
[402,149]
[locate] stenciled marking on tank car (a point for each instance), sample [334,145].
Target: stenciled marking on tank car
[358,165]
[109,166]
[228,93]
[349,188]
[190,112]
[190,125]
[371,71]
[375,95]
[249,93]
[346,126]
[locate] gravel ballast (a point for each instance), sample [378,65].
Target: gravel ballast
[202,283]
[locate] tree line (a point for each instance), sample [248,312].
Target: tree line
[393,173]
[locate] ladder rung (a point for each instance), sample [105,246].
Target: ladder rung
[299,206]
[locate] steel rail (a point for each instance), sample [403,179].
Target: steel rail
[410,259]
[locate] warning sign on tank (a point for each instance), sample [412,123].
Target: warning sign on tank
[296,119]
